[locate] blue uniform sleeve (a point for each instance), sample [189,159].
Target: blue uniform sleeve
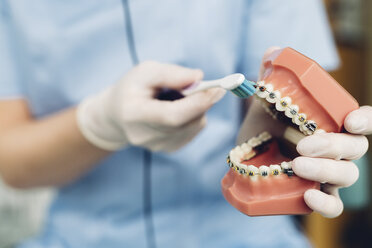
[9,57]
[302,25]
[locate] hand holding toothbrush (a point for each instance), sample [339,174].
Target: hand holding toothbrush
[129,113]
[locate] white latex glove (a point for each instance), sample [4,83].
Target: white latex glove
[328,158]
[128,113]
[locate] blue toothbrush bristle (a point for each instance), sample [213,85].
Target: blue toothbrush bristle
[245,90]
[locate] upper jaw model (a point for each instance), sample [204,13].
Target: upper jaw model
[298,92]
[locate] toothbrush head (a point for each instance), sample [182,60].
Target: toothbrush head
[238,85]
[245,90]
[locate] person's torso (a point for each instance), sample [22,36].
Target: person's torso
[73,49]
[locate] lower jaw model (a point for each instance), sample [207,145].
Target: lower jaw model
[298,92]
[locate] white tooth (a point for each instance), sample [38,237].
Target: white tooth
[260,93]
[319,131]
[267,88]
[246,148]
[273,97]
[253,142]
[302,128]
[297,119]
[283,103]
[308,132]
[265,136]
[305,129]
[243,169]
[286,165]
[252,170]
[259,84]
[238,152]
[291,111]
[235,160]
[275,169]
[290,165]
[232,154]
[264,170]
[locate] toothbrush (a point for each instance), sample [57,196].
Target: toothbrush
[236,83]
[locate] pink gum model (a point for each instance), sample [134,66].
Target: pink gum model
[323,101]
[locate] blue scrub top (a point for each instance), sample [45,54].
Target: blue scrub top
[54,53]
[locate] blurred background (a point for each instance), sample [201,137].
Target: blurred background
[351,24]
[22,212]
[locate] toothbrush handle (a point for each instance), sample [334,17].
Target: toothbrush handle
[200,86]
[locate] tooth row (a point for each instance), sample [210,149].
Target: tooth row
[245,150]
[263,170]
[284,104]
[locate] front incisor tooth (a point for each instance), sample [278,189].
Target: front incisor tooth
[264,170]
[253,142]
[283,103]
[265,136]
[246,148]
[273,96]
[291,111]
[275,169]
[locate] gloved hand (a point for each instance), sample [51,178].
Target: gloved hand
[323,161]
[128,113]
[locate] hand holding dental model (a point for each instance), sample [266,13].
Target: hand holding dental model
[295,93]
[129,113]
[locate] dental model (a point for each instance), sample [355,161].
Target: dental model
[298,92]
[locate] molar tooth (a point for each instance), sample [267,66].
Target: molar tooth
[302,128]
[319,131]
[309,127]
[253,142]
[286,165]
[283,103]
[235,161]
[299,119]
[273,96]
[246,148]
[239,153]
[252,170]
[232,155]
[291,111]
[265,136]
[275,169]
[264,170]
